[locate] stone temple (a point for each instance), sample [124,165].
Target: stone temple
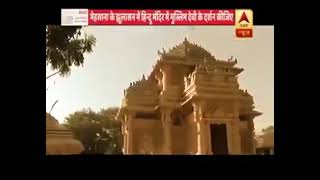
[189,104]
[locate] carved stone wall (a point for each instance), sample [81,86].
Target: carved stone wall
[147,137]
[179,139]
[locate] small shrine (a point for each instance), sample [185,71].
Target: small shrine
[59,139]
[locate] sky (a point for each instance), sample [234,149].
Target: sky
[124,53]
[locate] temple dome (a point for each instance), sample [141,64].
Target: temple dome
[59,139]
[53,124]
[187,49]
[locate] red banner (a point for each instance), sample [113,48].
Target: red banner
[161,17]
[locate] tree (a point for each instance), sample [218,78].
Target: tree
[99,132]
[268,130]
[65,47]
[268,136]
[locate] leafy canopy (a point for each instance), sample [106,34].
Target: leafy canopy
[99,132]
[65,47]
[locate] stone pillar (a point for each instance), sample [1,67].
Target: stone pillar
[235,128]
[229,137]
[206,135]
[201,132]
[251,136]
[124,133]
[199,145]
[166,121]
[129,139]
[209,145]
[243,125]
[235,138]
[125,143]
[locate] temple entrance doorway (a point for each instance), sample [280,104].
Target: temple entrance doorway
[219,141]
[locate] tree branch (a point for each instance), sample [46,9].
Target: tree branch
[53,106]
[52,74]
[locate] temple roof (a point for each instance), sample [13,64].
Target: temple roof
[244,92]
[186,49]
[188,53]
[142,84]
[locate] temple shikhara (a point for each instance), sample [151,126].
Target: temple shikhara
[189,104]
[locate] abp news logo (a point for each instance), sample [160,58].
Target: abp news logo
[244,23]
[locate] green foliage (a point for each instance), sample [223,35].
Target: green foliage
[267,137]
[268,130]
[99,132]
[65,47]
